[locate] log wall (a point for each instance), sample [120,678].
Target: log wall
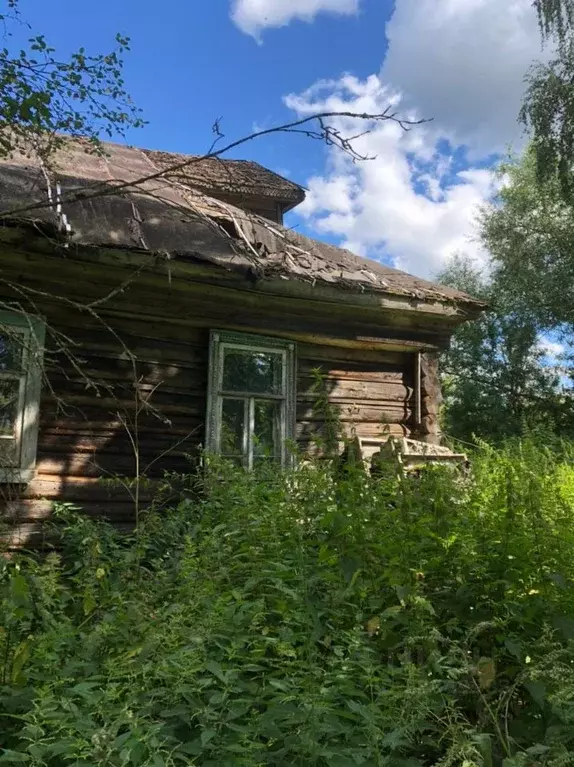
[91,375]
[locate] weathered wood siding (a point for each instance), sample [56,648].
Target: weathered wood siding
[90,387]
[370,392]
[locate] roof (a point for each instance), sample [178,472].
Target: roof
[100,204]
[232,177]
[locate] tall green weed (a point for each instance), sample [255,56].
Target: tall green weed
[310,617]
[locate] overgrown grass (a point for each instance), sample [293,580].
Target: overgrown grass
[300,619]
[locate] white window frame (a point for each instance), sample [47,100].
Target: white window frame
[32,330]
[221,340]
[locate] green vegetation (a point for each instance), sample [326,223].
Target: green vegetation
[496,380]
[529,232]
[304,619]
[43,96]
[548,107]
[496,376]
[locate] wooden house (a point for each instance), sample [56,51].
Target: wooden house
[152,303]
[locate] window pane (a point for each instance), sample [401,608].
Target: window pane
[9,398]
[267,430]
[10,352]
[232,427]
[257,372]
[8,456]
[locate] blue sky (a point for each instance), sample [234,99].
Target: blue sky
[256,63]
[190,64]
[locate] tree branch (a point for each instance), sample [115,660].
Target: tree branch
[322,130]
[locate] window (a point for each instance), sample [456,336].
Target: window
[251,398]
[21,349]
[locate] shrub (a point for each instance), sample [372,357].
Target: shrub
[305,618]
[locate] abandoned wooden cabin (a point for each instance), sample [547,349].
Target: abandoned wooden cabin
[179,312]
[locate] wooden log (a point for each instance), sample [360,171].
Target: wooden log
[357,390]
[432,399]
[352,412]
[26,510]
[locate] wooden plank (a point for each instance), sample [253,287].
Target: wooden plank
[294,293]
[307,433]
[315,354]
[381,413]
[357,390]
[332,374]
[54,427]
[154,388]
[112,405]
[109,466]
[211,306]
[26,510]
[75,488]
[417,391]
[113,367]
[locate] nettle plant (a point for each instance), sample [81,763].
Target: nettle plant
[306,617]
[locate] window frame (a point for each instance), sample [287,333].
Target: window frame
[219,341]
[33,330]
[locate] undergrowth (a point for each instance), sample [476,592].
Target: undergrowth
[304,618]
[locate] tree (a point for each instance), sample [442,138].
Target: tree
[43,97]
[529,232]
[556,17]
[494,377]
[548,106]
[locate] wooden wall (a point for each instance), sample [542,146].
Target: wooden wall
[82,439]
[90,390]
[371,392]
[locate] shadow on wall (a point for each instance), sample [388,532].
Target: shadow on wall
[115,404]
[125,396]
[354,394]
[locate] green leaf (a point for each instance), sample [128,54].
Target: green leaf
[537,691]
[216,670]
[484,743]
[14,757]
[207,736]
[514,648]
[565,624]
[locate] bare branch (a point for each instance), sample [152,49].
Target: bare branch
[322,130]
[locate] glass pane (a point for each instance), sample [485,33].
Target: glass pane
[8,456]
[232,427]
[9,399]
[10,351]
[267,430]
[256,372]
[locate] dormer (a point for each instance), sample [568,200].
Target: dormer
[242,183]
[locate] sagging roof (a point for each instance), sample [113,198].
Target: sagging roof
[101,201]
[232,177]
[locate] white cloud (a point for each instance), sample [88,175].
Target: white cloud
[407,202]
[253,16]
[551,349]
[463,63]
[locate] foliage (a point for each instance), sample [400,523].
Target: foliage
[548,105]
[556,18]
[529,231]
[494,378]
[43,96]
[298,619]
